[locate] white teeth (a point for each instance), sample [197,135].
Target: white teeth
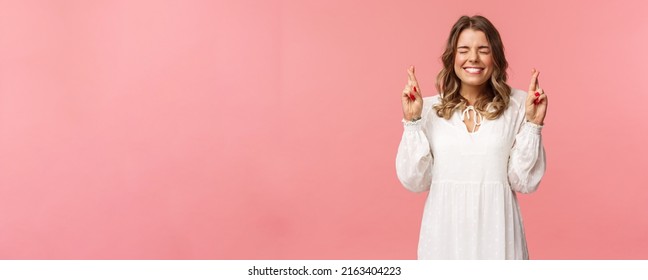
[473,70]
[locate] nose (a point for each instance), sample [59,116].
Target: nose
[474,57]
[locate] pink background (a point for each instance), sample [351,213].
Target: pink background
[268,129]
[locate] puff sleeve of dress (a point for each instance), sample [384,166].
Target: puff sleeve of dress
[414,159]
[527,162]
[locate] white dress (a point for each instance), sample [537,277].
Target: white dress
[471,211]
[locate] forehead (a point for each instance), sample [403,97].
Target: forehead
[471,37]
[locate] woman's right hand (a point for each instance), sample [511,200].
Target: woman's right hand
[411,97]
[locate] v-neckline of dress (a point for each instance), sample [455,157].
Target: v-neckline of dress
[464,127]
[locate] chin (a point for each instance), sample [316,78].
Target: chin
[474,83]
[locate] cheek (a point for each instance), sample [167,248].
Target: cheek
[491,67]
[458,62]
[488,61]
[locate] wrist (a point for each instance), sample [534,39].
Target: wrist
[531,119]
[540,123]
[412,119]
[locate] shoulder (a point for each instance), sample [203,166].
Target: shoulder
[518,97]
[429,102]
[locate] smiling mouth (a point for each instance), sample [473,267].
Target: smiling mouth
[473,70]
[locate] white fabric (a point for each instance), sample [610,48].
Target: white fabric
[466,115]
[471,211]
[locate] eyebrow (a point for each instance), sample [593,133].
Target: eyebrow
[466,47]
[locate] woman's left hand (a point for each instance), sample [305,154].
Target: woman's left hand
[536,102]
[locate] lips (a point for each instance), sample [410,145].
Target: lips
[473,70]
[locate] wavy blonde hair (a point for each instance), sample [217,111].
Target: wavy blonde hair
[496,98]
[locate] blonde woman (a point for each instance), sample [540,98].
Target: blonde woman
[472,147]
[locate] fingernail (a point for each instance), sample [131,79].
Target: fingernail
[415,89]
[537,94]
[412,97]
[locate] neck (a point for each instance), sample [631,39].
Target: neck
[471,93]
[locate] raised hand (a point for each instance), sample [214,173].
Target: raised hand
[536,102]
[411,97]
